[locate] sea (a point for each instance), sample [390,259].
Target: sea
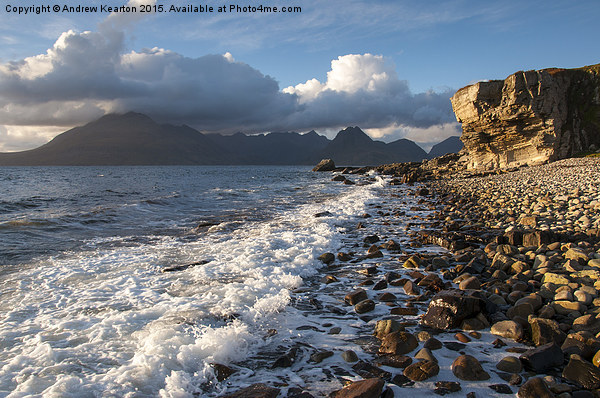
[135,281]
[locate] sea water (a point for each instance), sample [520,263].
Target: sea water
[85,307]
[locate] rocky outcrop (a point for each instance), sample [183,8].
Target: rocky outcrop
[531,117]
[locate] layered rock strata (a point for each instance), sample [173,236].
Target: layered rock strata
[531,117]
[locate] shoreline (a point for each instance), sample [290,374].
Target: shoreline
[539,302]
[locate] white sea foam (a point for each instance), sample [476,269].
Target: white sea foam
[107,321]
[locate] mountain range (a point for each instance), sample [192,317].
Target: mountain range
[136,139]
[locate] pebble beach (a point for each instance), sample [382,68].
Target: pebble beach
[486,286]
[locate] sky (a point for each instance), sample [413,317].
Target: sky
[387,66]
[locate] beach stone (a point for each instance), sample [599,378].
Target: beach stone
[368,388]
[319,356]
[398,343]
[449,308]
[258,390]
[404,311]
[425,354]
[581,372]
[446,387]
[433,344]
[522,310]
[325,165]
[544,331]
[364,306]
[394,361]
[501,388]
[470,283]
[222,372]
[576,253]
[412,262]
[502,262]
[374,252]
[329,279]
[344,256]
[327,258]
[335,330]
[296,392]
[564,307]
[556,279]
[595,262]
[462,337]
[510,365]
[411,289]
[387,326]
[387,297]
[508,329]
[543,358]
[537,238]
[356,296]
[349,356]
[369,240]
[467,367]
[392,245]
[380,285]
[421,370]
[535,387]
[583,297]
[581,343]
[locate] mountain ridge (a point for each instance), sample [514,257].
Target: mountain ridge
[136,139]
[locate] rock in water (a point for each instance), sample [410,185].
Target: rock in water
[530,117]
[325,165]
[369,388]
[449,308]
[258,390]
[466,367]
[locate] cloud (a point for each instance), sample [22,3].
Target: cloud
[87,74]
[364,90]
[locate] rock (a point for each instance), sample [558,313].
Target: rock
[387,297]
[349,356]
[411,289]
[543,358]
[510,365]
[535,387]
[412,262]
[364,306]
[564,307]
[501,388]
[470,283]
[222,371]
[421,370]
[394,361]
[537,238]
[432,343]
[404,311]
[380,285]
[369,388]
[581,372]
[544,331]
[325,165]
[556,279]
[319,356]
[467,367]
[327,279]
[387,326]
[530,117]
[508,329]
[258,390]
[449,308]
[327,258]
[369,240]
[344,256]
[356,296]
[296,392]
[424,354]
[398,343]
[446,387]
[576,253]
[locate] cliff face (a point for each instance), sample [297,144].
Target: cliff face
[531,117]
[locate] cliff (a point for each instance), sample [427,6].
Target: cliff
[531,117]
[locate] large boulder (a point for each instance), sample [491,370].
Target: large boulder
[369,388]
